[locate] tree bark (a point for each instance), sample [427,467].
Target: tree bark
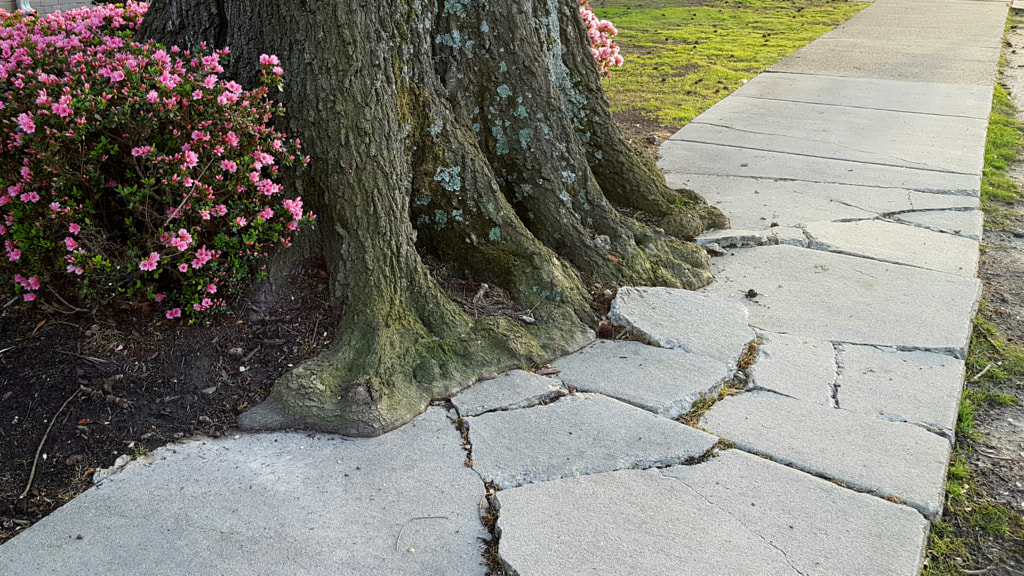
[473,131]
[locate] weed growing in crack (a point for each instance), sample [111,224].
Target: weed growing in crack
[730,388]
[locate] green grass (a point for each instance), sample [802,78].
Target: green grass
[683,56]
[1002,147]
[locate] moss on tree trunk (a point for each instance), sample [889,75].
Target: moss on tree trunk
[473,131]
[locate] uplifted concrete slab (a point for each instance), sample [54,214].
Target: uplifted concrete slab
[511,390]
[889,459]
[276,504]
[666,382]
[734,238]
[680,157]
[757,203]
[733,515]
[966,223]
[802,368]
[822,529]
[897,243]
[577,435]
[699,323]
[848,299]
[927,142]
[918,387]
[899,96]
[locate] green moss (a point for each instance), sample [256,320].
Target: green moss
[682,59]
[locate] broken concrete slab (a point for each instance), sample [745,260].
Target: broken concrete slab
[681,157]
[733,238]
[895,95]
[883,137]
[918,387]
[577,435]
[699,323]
[757,203]
[897,243]
[274,504]
[511,390]
[821,528]
[787,235]
[966,223]
[732,515]
[864,453]
[666,382]
[843,298]
[628,523]
[802,368]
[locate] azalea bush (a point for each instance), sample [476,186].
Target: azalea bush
[131,172]
[602,43]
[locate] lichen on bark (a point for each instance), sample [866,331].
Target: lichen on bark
[472,131]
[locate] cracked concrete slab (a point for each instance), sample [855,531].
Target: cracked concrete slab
[872,93]
[889,459]
[823,529]
[926,142]
[966,223]
[843,298]
[275,504]
[577,435]
[802,368]
[703,324]
[666,382]
[918,387]
[897,243]
[734,238]
[680,157]
[511,390]
[732,515]
[757,203]
[627,523]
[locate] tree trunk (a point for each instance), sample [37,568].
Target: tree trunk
[473,132]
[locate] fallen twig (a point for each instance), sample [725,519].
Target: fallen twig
[399,539]
[982,373]
[39,450]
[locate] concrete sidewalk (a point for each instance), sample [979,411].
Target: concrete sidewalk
[851,172]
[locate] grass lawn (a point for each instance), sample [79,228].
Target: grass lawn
[682,56]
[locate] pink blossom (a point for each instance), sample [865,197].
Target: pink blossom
[72,269]
[270,60]
[182,267]
[26,123]
[173,313]
[116,76]
[70,243]
[181,240]
[159,297]
[294,207]
[74,228]
[241,222]
[211,289]
[152,97]
[197,94]
[33,283]
[228,165]
[141,151]
[26,174]
[29,297]
[149,264]
[231,138]
[191,159]
[202,257]
[221,209]
[267,214]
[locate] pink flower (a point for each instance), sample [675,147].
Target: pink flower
[29,297]
[152,97]
[267,214]
[26,174]
[13,255]
[173,313]
[30,197]
[141,151]
[197,94]
[191,159]
[241,222]
[149,264]
[159,297]
[231,139]
[202,257]
[221,209]
[211,289]
[181,240]
[26,123]
[270,60]
[294,207]
[116,76]
[70,243]
[182,267]
[228,165]
[33,283]
[74,228]
[72,269]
